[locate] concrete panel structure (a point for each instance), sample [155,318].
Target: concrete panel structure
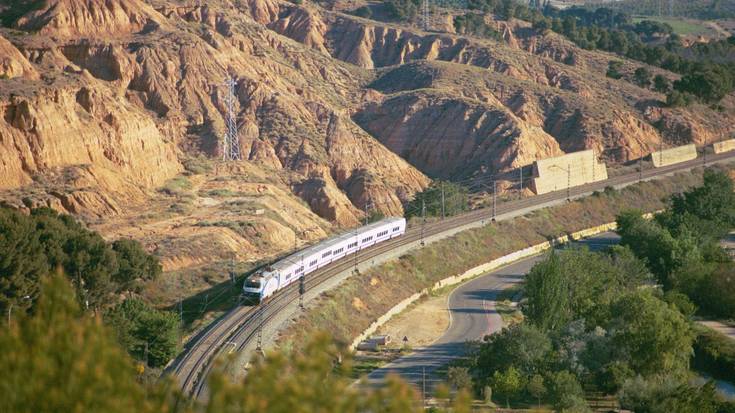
[572,169]
[724,146]
[674,155]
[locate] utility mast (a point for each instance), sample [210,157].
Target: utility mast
[425,14]
[230,142]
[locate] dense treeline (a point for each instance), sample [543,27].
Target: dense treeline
[703,76]
[681,245]
[45,242]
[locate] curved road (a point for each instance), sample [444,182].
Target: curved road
[472,316]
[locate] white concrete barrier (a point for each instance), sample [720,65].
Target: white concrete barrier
[674,155]
[572,169]
[724,146]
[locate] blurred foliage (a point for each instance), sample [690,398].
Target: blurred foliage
[60,359]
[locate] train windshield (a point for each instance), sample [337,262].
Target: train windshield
[252,283]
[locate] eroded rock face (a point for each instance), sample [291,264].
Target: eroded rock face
[105,99]
[81,126]
[13,63]
[165,75]
[83,18]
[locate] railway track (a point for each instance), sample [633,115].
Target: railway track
[239,327]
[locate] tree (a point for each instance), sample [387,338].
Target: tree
[521,346]
[709,84]
[547,291]
[649,241]
[565,390]
[642,77]
[459,378]
[663,394]
[536,388]
[60,359]
[661,84]
[507,383]
[363,11]
[676,99]
[651,336]
[713,201]
[613,69]
[148,334]
[134,264]
[716,291]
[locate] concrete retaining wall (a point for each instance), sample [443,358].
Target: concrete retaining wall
[551,174]
[674,155]
[482,269]
[724,146]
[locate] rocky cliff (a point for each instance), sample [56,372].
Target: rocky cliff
[113,110]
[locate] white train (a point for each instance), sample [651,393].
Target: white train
[266,281]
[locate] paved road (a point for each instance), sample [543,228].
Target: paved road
[472,316]
[723,328]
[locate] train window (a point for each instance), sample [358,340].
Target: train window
[326,254]
[252,283]
[300,269]
[288,276]
[396,229]
[339,250]
[353,245]
[313,263]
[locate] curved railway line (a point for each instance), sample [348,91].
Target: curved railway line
[239,327]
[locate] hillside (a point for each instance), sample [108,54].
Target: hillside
[112,110]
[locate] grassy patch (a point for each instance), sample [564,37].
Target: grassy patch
[176,186]
[197,166]
[384,286]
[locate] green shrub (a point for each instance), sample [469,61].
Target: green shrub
[176,186]
[714,354]
[197,166]
[363,11]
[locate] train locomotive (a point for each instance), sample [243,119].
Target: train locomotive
[268,280]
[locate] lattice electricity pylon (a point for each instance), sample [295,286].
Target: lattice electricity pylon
[230,142]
